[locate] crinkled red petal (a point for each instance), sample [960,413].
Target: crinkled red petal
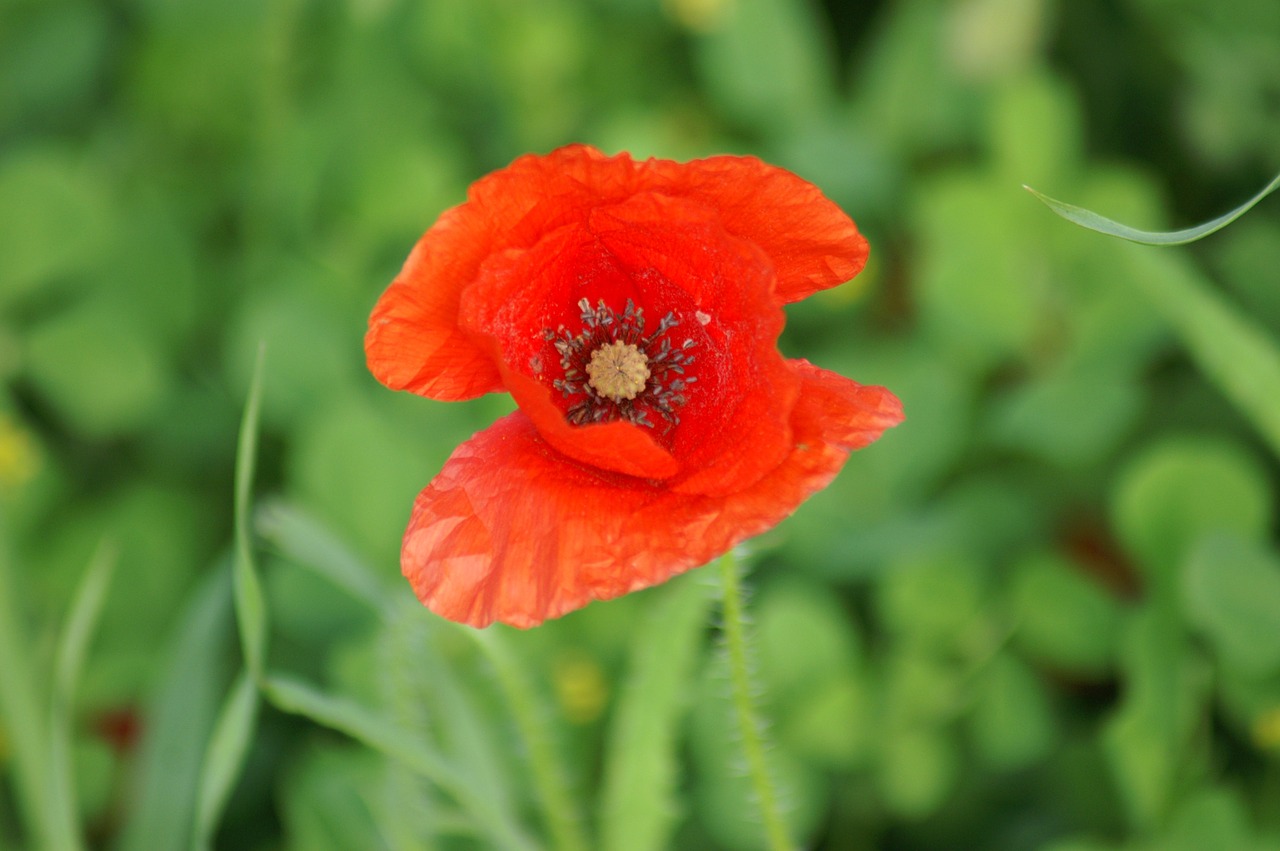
[812,243]
[666,256]
[414,341]
[513,531]
[810,240]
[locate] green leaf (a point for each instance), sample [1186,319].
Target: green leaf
[919,686]
[72,648]
[919,767]
[46,193]
[1211,818]
[939,600]
[976,286]
[810,665]
[639,804]
[1148,739]
[1180,490]
[180,716]
[1035,123]
[1062,617]
[1011,723]
[835,726]
[299,698]
[1079,844]
[304,540]
[97,368]
[1101,224]
[791,615]
[1232,350]
[224,759]
[1231,590]
[766,59]
[428,681]
[1071,418]
[251,610]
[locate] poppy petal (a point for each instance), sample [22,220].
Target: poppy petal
[414,342]
[618,446]
[735,426]
[846,413]
[513,531]
[656,250]
[813,244]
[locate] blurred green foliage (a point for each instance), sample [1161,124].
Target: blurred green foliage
[1044,613]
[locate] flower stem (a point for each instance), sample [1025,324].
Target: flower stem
[735,638]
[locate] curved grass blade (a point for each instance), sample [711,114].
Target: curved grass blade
[468,734]
[223,760]
[1091,220]
[180,717]
[20,706]
[550,780]
[1233,351]
[238,718]
[639,801]
[305,541]
[299,698]
[72,648]
[251,612]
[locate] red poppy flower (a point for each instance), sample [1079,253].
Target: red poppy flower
[632,310]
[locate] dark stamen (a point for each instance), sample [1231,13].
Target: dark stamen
[664,389]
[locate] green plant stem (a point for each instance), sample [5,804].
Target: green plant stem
[735,638]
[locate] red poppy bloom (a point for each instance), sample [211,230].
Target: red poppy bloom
[632,310]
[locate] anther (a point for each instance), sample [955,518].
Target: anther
[618,371]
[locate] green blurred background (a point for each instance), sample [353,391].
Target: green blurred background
[1044,613]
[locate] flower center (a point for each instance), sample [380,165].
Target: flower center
[618,371]
[613,370]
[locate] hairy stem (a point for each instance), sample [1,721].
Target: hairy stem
[735,638]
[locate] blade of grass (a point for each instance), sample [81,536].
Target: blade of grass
[422,660]
[1095,222]
[236,722]
[1234,352]
[224,758]
[306,542]
[251,611]
[180,717]
[299,698]
[639,802]
[470,737]
[532,715]
[20,709]
[69,661]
